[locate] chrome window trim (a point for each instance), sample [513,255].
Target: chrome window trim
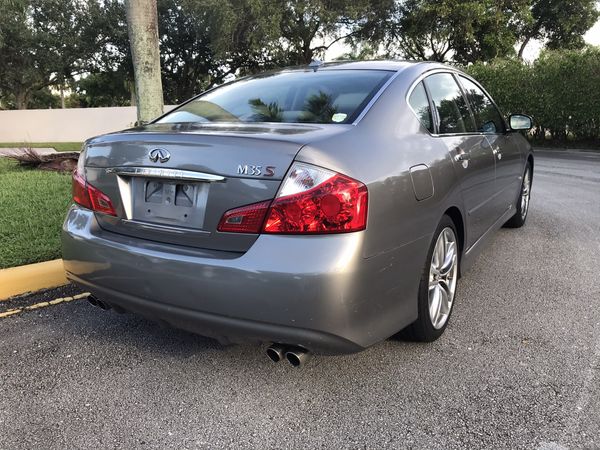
[424,75]
[172,174]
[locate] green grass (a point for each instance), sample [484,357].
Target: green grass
[58,146]
[33,205]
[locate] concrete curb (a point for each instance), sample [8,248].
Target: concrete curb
[32,277]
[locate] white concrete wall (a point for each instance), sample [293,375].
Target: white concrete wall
[64,125]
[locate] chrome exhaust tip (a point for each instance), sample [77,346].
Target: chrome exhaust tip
[94,301]
[276,352]
[297,356]
[102,305]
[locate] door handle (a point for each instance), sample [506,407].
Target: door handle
[462,157]
[497,152]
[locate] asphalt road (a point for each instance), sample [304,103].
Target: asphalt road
[519,365]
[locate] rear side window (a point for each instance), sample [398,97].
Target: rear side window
[325,96]
[487,117]
[453,111]
[420,105]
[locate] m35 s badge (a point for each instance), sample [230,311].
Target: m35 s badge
[255,171]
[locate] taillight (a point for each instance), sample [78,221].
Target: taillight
[90,197]
[314,200]
[246,219]
[80,193]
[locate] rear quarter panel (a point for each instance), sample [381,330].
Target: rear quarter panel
[380,152]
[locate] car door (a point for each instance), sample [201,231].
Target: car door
[509,164]
[471,151]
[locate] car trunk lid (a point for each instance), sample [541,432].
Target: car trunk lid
[172,182]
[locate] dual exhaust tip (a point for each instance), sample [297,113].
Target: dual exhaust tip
[296,356]
[98,303]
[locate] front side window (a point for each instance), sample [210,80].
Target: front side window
[325,96]
[453,111]
[420,105]
[487,116]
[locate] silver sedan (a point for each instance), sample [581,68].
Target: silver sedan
[315,209]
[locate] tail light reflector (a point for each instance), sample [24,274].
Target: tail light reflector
[90,197]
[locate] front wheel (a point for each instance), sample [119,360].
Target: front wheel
[522,207]
[437,289]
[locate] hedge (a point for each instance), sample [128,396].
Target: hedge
[560,90]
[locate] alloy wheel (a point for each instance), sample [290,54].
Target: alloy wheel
[442,277]
[525,192]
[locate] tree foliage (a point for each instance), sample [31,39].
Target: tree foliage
[560,24]
[467,31]
[45,44]
[560,91]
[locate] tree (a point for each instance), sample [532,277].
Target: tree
[560,24]
[310,27]
[205,42]
[108,88]
[464,31]
[45,43]
[142,23]
[467,31]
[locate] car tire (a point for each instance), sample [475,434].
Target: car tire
[438,281]
[522,206]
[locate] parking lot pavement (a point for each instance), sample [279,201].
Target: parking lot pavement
[519,365]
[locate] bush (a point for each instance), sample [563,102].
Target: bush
[560,90]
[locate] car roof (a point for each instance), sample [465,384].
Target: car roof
[391,65]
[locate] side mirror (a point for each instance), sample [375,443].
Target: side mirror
[520,122]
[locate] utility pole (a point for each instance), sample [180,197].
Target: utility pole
[142,25]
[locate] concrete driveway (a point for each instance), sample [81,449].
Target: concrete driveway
[519,366]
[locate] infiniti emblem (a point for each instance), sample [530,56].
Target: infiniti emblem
[159,155]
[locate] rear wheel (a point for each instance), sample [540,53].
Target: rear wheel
[437,289]
[522,207]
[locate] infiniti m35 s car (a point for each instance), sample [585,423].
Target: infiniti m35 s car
[315,209]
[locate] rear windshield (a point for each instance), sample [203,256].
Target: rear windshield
[328,96]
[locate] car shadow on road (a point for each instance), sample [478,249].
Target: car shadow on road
[136,336]
[127,329]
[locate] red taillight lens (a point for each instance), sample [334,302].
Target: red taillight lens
[80,193]
[100,201]
[91,197]
[313,200]
[246,219]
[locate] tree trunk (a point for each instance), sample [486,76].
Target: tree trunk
[142,24]
[62,96]
[21,99]
[522,47]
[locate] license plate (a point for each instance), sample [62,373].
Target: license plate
[169,202]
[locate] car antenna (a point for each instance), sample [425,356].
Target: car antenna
[315,64]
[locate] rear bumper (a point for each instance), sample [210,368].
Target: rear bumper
[225,329]
[317,292]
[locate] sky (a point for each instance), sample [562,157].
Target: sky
[593,35]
